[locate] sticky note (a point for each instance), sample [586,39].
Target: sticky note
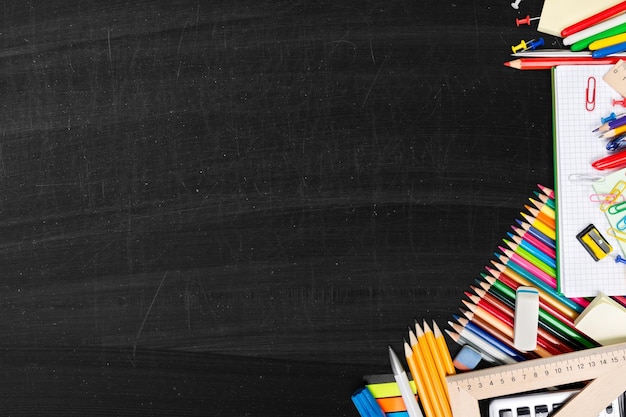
[603,320]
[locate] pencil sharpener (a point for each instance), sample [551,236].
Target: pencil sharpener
[595,244]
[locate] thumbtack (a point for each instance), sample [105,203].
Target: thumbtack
[515,4]
[608,118]
[533,44]
[621,102]
[521,47]
[525,21]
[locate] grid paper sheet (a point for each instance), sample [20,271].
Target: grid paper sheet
[575,148]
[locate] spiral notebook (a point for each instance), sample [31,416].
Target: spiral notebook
[580,100]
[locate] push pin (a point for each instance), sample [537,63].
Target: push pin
[608,118]
[521,47]
[525,21]
[515,4]
[621,102]
[534,44]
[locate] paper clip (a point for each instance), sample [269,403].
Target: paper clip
[617,207]
[585,178]
[621,225]
[615,193]
[617,234]
[590,94]
[599,198]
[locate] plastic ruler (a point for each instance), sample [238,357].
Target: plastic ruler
[604,366]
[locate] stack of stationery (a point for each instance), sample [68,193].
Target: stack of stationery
[593,32]
[485,326]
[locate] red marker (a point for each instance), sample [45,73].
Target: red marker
[592,20]
[616,160]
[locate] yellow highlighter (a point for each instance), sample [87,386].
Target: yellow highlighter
[611,40]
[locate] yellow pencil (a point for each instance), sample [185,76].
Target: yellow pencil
[431,394]
[422,395]
[442,398]
[541,226]
[543,207]
[444,352]
[434,350]
[611,40]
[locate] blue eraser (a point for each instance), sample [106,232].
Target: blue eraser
[467,358]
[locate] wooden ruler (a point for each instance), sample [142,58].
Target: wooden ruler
[605,365]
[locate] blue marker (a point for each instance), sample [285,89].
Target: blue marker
[609,50]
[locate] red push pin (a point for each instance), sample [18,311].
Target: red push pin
[525,21]
[621,102]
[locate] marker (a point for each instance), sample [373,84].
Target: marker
[613,161]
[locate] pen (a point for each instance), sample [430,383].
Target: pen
[403,383]
[612,161]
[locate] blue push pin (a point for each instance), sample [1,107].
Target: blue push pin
[619,259]
[609,118]
[534,44]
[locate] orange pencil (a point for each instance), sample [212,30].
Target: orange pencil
[444,352]
[542,217]
[539,225]
[434,350]
[543,207]
[418,378]
[441,397]
[430,394]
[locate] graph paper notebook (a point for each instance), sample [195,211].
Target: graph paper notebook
[575,148]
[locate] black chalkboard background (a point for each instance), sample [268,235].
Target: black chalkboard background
[230,208]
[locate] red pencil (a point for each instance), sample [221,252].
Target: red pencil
[543,63]
[592,20]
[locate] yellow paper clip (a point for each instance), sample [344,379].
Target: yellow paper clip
[615,193]
[617,234]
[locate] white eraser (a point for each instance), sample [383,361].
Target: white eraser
[526,318]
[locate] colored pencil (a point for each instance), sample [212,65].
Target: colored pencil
[507,315]
[501,301]
[431,366]
[536,233]
[547,275]
[542,217]
[434,350]
[547,63]
[523,247]
[570,333]
[546,190]
[420,386]
[544,198]
[431,394]
[444,352]
[539,225]
[543,207]
[462,341]
[527,236]
[482,344]
[489,338]
[593,19]
[506,327]
[505,266]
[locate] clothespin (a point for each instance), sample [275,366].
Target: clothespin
[515,4]
[525,21]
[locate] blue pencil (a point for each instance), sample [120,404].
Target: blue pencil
[487,337]
[536,233]
[533,250]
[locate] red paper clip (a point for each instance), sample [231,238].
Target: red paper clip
[590,94]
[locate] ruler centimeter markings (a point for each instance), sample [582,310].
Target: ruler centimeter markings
[466,389]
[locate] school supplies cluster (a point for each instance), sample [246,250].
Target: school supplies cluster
[551,303]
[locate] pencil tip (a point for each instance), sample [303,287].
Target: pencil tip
[507,64]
